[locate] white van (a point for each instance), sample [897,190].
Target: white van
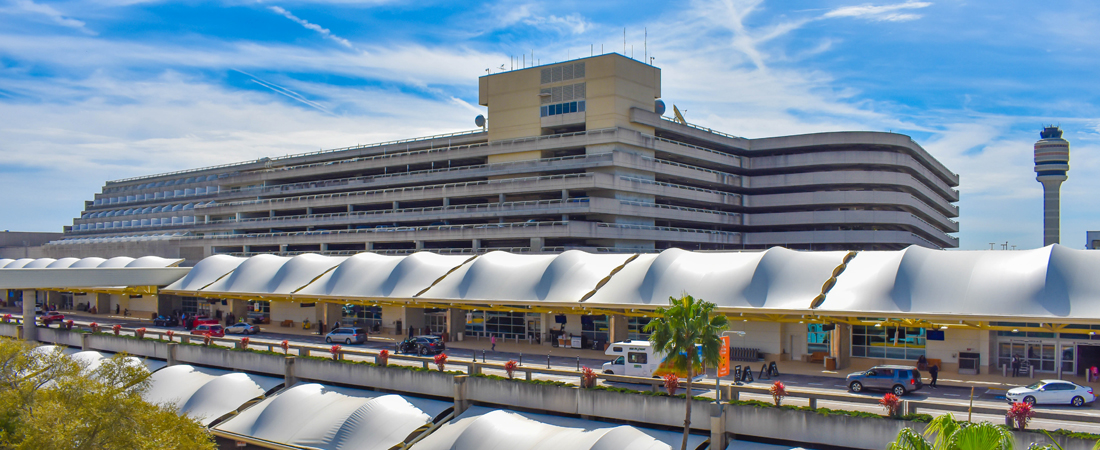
[638,359]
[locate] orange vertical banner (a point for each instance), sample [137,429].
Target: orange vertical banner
[724,357]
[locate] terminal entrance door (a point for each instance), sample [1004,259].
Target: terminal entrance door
[1040,355]
[436,321]
[1088,355]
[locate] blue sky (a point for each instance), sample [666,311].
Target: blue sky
[108,89]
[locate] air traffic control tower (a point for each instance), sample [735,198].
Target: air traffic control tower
[1051,166]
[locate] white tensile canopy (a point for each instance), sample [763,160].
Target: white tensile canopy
[481,428]
[30,273]
[334,418]
[1053,282]
[206,394]
[374,275]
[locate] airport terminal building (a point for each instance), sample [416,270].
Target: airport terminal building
[574,155]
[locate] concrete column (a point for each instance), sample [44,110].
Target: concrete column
[839,347]
[565,194]
[476,245]
[4,296]
[84,345]
[544,327]
[396,205]
[368,246]
[102,303]
[288,372]
[462,402]
[53,298]
[536,244]
[331,313]
[172,354]
[269,213]
[239,308]
[446,202]
[419,245]
[456,323]
[412,317]
[718,437]
[30,333]
[500,198]
[237,216]
[115,299]
[309,211]
[619,330]
[283,247]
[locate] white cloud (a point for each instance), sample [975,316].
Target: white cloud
[55,16]
[534,15]
[312,26]
[883,13]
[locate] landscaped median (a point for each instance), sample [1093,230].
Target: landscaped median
[359,368]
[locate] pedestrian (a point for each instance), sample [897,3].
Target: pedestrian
[321,327]
[1015,365]
[934,370]
[493,339]
[116,309]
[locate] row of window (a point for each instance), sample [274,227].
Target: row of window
[162,183]
[201,190]
[561,108]
[146,210]
[154,222]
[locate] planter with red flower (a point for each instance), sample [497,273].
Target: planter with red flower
[510,367]
[244,343]
[140,333]
[169,333]
[441,361]
[383,358]
[892,404]
[207,339]
[588,378]
[285,345]
[778,391]
[68,324]
[94,326]
[672,383]
[335,350]
[1019,415]
[7,318]
[116,329]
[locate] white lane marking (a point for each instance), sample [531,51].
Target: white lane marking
[952,395]
[816,384]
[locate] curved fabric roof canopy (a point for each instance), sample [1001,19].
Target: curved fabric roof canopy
[496,276]
[207,271]
[483,428]
[206,394]
[93,359]
[1046,283]
[374,275]
[270,274]
[777,279]
[333,418]
[89,263]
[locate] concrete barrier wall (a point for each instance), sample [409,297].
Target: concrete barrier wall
[145,347]
[433,383]
[806,426]
[9,329]
[59,337]
[523,395]
[229,359]
[660,410]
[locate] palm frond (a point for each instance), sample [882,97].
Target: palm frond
[909,440]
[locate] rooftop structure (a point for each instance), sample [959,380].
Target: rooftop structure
[576,155]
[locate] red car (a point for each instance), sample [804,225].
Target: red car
[209,330]
[51,317]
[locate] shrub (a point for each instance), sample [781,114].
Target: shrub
[116,329]
[244,342]
[286,346]
[384,357]
[140,332]
[1020,414]
[510,367]
[441,361]
[672,383]
[778,391]
[335,350]
[68,324]
[169,333]
[589,377]
[94,326]
[207,339]
[892,404]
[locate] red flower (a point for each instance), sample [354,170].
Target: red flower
[169,333]
[672,383]
[441,361]
[1020,414]
[244,342]
[778,391]
[589,377]
[384,357]
[285,345]
[510,367]
[117,328]
[892,404]
[335,350]
[140,332]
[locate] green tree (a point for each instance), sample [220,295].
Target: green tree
[675,332]
[951,434]
[49,400]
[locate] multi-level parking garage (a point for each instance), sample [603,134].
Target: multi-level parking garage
[607,174]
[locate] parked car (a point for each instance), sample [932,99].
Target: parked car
[50,317]
[1057,392]
[422,345]
[206,321]
[899,380]
[209,330]
[166,321]
[347,335]
[242,328]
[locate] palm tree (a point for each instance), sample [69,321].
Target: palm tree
[675,332]
[955,435]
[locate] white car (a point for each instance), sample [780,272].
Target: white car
[1057,392]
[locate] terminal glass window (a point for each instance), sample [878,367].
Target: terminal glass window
[508,325]
[1035,354]
[364,316]
[1087,332]
[888,342]
[635,328]
[1022,334]
[595,329]
[817,339]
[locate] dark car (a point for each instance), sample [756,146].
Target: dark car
[166,321]
[423,345]
[899,380]
[347,335]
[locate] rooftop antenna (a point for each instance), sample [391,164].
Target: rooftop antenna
[624,41]
[591,49]
[645,43]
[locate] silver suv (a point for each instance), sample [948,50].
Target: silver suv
[899,380]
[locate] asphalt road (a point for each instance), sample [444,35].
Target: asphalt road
[956,395]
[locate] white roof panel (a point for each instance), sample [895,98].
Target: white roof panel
[207,271]
[269,274]
[374,275]
[506,276]
[206,394]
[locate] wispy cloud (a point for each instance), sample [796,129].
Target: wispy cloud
[883,13]
[534,15]
[55,16]
[312,26]
[286,92]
